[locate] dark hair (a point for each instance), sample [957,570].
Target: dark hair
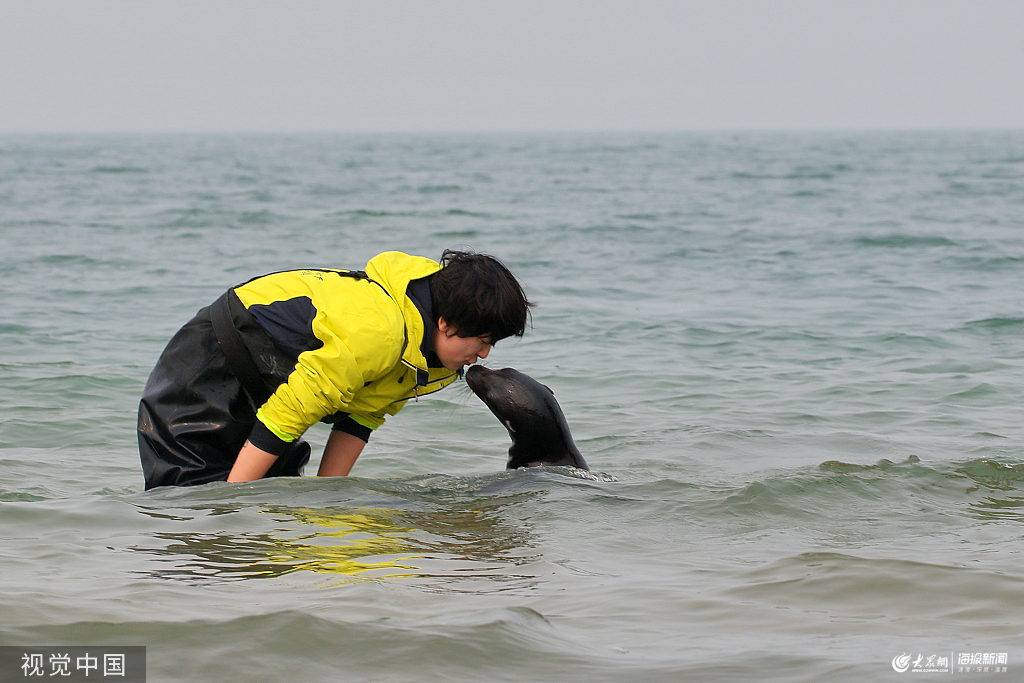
[478,296]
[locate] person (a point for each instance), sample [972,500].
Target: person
[235,389]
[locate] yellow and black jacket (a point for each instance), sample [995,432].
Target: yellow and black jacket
[360,344]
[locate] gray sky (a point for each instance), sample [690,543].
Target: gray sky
[301,65]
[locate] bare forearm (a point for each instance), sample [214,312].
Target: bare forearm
[252,463]
[340,454]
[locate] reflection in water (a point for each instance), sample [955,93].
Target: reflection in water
[444,544]
[355,544]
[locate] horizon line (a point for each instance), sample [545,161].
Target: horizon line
[513,131]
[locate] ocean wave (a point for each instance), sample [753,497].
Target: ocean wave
[898,241]
[997,325]
[118,169]
[453,645]
[875,592]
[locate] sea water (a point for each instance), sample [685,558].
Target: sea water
[793,361]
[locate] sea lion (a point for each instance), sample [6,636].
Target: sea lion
[528,409]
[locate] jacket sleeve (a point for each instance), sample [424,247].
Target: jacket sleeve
[374,420]
[356,350]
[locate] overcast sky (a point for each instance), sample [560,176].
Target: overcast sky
[441,65]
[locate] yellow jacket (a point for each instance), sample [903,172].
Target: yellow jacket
[361,344]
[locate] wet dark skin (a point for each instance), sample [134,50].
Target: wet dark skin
[528,409]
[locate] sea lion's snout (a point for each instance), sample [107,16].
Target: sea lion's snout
[475,378]
[479,373]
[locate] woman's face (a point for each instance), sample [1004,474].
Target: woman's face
[455,351]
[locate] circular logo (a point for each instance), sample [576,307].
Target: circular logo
[901,662]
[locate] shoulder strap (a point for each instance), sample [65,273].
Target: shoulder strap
[360,275]
[238,359]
